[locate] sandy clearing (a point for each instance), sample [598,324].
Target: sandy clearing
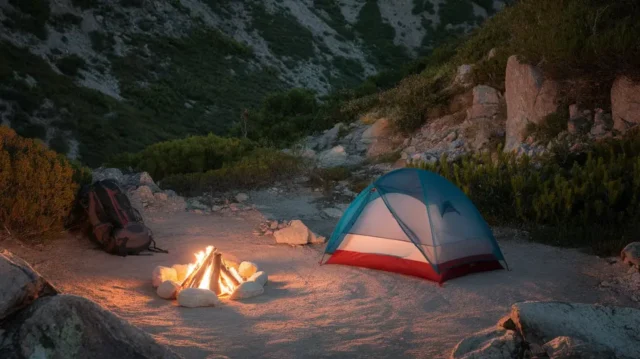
[310,310]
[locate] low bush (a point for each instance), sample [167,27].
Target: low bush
[551,126]
[283,118]
[588,200]
[37,187]
[32,18]
[71,65]
[196,154]
[418,93]
[258,168]
[66,21]
[101,42]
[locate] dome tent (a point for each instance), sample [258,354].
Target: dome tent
[417,223]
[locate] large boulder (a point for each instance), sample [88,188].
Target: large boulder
[144,194]
[492,343]
[20,284]
[625,103]
[336,156]
[328,138]
[141,179]
[631,254]
[66,326]
[102,173]
[486,103]
[529,97]
[607,328]
[380,138]
[296,233]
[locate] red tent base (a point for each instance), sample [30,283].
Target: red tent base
[448,270]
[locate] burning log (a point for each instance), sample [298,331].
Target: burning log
[227,273]
[215,276]
[197,275]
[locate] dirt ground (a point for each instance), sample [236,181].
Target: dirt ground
[309,310]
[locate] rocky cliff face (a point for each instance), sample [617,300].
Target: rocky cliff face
[140,71]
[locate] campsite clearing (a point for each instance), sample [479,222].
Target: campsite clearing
[309,310]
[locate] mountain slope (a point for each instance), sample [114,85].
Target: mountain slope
[93,77]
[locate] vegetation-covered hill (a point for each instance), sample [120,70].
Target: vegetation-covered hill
[93,78]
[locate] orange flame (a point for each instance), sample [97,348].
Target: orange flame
[225,283]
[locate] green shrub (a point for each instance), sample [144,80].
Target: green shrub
[379,38]
[595,39]
[36,187]
[196,154]
[33,17]
[551,126]
[288,38]
[65,21]
[71,65]
[560,199]
[82,175]
[85,4]
[258,168]
[101,42]
[59,144]
[326,178]
[132,3]
[418,93]
[284,118]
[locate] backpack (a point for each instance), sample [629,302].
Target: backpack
[114,224]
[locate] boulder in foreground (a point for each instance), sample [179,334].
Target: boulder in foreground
[559,331]
[492,343]
[67,326]
[611,328]
[20,284]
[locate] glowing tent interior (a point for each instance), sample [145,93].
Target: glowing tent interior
[417,223]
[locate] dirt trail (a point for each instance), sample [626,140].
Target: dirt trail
[309,310]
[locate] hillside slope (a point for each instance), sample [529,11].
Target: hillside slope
[93,78]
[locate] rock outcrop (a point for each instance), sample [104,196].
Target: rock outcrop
[530,98]
[145,195]
[67,326]
[558,330]
[380,138]
[37,322]
[631,254]
[20,285]
[612,328]
[625,104]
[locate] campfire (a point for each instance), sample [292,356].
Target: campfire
[210,277]
[211,272]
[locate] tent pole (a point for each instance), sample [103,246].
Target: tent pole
[321,259]
[507,264]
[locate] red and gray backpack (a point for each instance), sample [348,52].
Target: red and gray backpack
[115,225]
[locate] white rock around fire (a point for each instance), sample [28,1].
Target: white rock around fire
[197,297]
[247,269]
[247,290]
[259,277]
[161,274]
[168,289]
[190,283]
